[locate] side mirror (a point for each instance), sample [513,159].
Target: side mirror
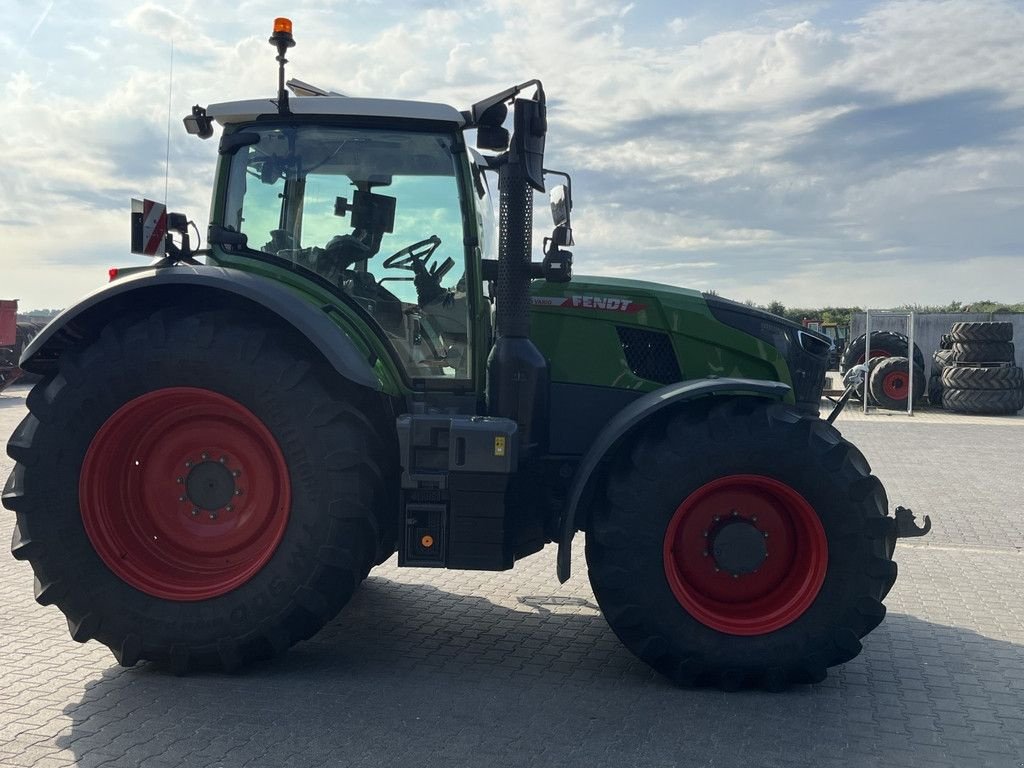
[561,205]
[531,127]
[489,133]
[199,123]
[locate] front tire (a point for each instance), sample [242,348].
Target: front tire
[684,573]
[192,489]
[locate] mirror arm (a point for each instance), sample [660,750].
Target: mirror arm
[473,114]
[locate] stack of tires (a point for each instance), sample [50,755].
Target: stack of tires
[888,378]
[978,372]
[941,359]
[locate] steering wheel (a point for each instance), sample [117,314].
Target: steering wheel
[413,257]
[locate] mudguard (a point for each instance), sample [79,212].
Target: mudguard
[171,284]
[631,417]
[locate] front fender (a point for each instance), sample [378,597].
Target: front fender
[198,285]
[631,417]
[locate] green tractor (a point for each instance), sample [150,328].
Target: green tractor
[362,361]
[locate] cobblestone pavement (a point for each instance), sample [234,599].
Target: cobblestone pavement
[445,668]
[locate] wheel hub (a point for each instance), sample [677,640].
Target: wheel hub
[745,554]
[739,547]
[184,493]
[210,485]
[895,385]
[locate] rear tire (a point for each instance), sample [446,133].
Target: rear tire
[983,352]
[935,390]
[995,377]
[941,359]
[883,344]
[889,383]
[788,473]
[993,402]
[172,599]
[981,331]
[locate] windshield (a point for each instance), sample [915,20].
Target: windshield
[377,214]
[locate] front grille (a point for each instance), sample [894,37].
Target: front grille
[649,355]
[808,373]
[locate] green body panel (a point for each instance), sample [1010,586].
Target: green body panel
[574,325]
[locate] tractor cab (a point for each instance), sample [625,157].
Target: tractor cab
[369,204]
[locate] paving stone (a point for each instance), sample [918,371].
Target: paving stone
[448,668]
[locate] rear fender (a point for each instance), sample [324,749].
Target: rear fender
[630,418]
[203,287]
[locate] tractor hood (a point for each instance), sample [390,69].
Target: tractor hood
[610,295]
[640,335]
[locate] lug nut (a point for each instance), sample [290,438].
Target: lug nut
[195,511]
[735,513]
[188,464]
[181,480]
[236,472]
[183,498]
[213,515]
[717,518]
[765,533]
[205,456]
[238,491]
[229,508]
[223,459]
[705,553]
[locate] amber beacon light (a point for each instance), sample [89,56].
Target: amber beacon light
[282,39]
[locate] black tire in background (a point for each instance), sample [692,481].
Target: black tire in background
[983,352]
[993,402]
[945,341]
[992,377]
[889,383]
[332,453]
[629,525]
[883,344]
[940,359]
[935,390]
[858,392]
[982,331]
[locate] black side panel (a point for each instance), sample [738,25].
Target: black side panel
[630,417]
[649,354]
[579,411]
[206,286]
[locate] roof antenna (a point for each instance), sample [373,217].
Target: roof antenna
[170,91]
[283,39]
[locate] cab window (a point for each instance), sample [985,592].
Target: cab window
[375,213]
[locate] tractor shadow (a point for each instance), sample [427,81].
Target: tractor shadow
[413,673]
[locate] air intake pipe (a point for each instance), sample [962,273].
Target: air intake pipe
[517,373]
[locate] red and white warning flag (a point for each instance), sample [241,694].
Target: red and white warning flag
[149,226]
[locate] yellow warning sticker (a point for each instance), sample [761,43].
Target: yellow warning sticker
[499,446]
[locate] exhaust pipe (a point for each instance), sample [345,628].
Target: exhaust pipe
[517,373]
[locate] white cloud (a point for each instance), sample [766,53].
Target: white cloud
[779,156]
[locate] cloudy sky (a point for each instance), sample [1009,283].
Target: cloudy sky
[815,152]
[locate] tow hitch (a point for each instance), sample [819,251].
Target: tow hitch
[854,379]
[906,528]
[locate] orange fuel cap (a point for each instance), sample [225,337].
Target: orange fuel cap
[427,541]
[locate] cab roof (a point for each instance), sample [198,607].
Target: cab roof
[230,112]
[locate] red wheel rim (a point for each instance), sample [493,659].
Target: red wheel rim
[184,493]
[895,385]
[784,583]
[874,353]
